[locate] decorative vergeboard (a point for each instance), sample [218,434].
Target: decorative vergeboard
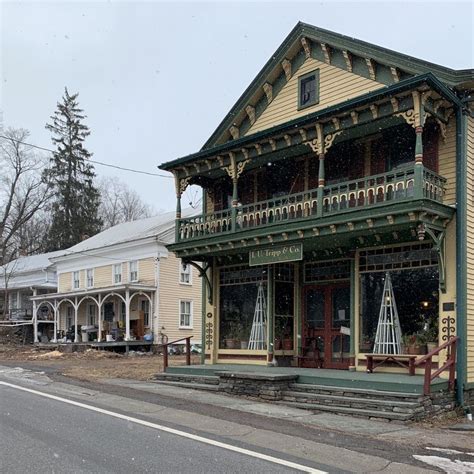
[276,254]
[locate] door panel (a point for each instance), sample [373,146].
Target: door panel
[326,310]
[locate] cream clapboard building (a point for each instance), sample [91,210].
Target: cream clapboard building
[123,284]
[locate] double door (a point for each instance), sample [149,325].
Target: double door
[326,326]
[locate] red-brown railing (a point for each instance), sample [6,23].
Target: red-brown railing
[188,351]
[450,363]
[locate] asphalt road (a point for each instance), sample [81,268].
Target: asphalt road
[43,435]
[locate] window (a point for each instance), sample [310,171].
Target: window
[90,277]
[69,316]
[185,314]
[134,270]
[185,273]
[118,273]
[91,314]
[145,307]
[308,89]
[75,280]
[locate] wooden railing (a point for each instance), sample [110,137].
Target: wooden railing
[450,364]
[165,351]
[406,183]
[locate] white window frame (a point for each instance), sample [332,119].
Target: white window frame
[87,278]
[183,272]
[91,314]
[115,275]
[130,271]
[74,287]
[181,326]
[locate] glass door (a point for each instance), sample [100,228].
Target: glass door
[326,326]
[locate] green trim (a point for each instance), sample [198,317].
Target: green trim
[270,309]
[461,252]
[359,48]
[203,321]
[352,309]
[314,73]
[428,79]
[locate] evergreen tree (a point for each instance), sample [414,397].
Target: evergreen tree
[75,208]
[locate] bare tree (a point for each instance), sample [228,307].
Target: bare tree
[23,190]
[7,272]
[120,203]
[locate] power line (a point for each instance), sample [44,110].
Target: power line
[92,161]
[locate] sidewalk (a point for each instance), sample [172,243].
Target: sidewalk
[345,424]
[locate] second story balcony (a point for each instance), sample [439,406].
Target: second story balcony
[370,192]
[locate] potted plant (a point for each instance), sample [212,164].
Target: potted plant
[366,344]
[287,342]
[414,344]
[432,338]
[232,340]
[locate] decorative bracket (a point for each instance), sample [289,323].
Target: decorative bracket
[235,169]
[438,237]
[203,274]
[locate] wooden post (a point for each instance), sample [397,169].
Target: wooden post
[188,351]
[235,202]
[165,357]
[321,184]
[76,336]
[419,191]
[452,367]
[127,315]
[427,382]
[35,317]
[99,329]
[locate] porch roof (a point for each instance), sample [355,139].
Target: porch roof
[94,291]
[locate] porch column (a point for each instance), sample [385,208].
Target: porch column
[235,203]
[55,325]
[352,314]
[127,315]
[76,336]
[321,184]
[419,191]
[99,329]
[35,318]
[270,317]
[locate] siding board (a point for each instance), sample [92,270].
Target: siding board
[336,85]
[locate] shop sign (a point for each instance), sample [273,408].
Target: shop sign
[276,254]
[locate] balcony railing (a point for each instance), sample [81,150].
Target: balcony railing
[398,185]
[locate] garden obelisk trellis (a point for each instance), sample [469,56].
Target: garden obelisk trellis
[258,335]
[388,336]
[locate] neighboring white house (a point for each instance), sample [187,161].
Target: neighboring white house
[21,279]
[124,284]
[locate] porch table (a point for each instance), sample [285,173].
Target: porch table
[405,361]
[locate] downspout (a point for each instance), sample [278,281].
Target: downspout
[461,251]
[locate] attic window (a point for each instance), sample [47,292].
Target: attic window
[308,89]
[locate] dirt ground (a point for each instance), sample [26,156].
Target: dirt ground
[93,364]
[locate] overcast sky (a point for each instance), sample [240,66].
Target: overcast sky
[155,79]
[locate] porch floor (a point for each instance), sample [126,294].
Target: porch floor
[391,382]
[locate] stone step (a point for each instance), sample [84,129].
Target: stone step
[193,385]
[349,391]
[360,412]
[355,402]
[204,379]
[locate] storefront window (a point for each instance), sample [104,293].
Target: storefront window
[239,289]
[416,297]
[284,307]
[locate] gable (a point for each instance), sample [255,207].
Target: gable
[335,86]
[343,54]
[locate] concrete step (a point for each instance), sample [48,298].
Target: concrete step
[193,385]
[202,379]
[355,402]
[360,412]
[349,391]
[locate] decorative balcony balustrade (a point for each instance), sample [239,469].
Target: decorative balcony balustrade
[404,184]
